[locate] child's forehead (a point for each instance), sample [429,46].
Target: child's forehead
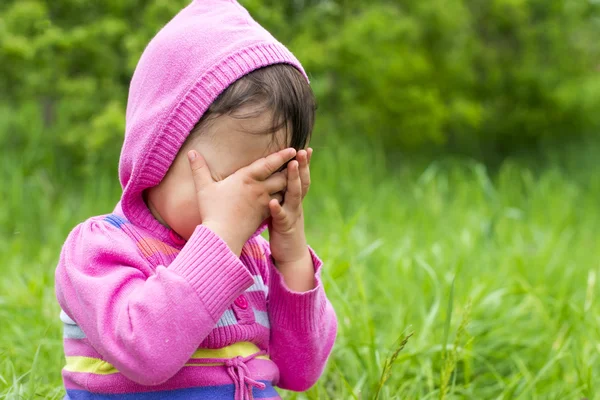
[252,131]
[229,143]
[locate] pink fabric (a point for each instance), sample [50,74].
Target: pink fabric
[240,374]
[187,377]
[147,320]
[142,299]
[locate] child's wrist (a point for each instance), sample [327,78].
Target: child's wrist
[229,236]
[298,275]
[303,258]
[289,248]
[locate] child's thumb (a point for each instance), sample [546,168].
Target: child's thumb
[200,170]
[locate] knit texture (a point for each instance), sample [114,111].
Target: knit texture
[142,316]
[147,314]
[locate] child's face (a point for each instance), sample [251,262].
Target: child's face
[227,144]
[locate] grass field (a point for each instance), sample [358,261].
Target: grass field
[489,281]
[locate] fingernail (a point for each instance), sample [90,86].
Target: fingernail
[192,155]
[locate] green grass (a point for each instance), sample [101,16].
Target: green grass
[449,282]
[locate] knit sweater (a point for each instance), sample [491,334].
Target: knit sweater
[139,313]
[148,315]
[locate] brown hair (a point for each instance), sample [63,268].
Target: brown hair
[280,89]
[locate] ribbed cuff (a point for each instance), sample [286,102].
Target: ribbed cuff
[298,311]
[211,268]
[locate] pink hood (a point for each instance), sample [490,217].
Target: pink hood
[198,54]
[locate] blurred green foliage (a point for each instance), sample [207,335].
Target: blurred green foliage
[480,77]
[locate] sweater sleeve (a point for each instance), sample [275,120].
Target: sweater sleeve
[303,327]
[145,322]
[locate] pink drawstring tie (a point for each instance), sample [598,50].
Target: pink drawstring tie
[239,373]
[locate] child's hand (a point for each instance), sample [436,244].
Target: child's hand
[286,232]
[235,207]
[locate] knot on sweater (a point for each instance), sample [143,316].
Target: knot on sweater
[240,374]
[235,362]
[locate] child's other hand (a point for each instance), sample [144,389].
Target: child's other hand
[286,231]
[235,207]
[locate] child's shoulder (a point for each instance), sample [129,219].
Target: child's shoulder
[99,246]
[101,225]
[99,234]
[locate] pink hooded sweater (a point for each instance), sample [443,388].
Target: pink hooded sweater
[148,315]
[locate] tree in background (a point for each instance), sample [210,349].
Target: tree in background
[474,76]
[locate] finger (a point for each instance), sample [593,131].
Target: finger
[262,168]
[304,171]
[302,157]
[293,194]
[277,196]
[277,211]
[284,166]
[200,170]
[276,183]
[309,151]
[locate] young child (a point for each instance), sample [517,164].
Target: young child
[175,295]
